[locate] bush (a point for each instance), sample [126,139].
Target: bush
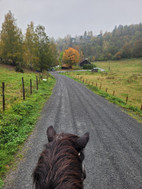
[19,69]
[88,66]
[76,67]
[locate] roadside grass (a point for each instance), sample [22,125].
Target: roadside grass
[123,79]
[19,120]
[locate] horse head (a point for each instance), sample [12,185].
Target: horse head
[60,165]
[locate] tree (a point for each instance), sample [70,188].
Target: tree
[52,55]
[0,51]
[126,50]
[117,56]
[71,56]
[30,47]
[85,34]
[11,41]
[61,57]
[137,48]
[43,48]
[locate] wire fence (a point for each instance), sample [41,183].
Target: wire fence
[25,90]
[99,86]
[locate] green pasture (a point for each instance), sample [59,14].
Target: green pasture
[13,85]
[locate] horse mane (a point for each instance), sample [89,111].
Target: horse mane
[59,165]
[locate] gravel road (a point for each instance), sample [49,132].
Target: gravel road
[113,156]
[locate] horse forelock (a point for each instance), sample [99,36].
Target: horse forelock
[59,166]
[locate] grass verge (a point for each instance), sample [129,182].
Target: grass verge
[18,122]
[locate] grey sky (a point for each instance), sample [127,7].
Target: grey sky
[62,17]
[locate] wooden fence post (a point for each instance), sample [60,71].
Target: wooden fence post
[126,99]
[23,88]
[113,93]
[3,96]
[47,75]
[36,82]
[39,78]
[141,107]
[30,86]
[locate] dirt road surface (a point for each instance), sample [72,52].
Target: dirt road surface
[113,156]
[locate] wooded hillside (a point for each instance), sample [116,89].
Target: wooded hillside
[122,42]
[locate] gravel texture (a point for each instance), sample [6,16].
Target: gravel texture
[113,156]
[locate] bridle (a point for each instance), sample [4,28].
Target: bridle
[83,170]
[83,173]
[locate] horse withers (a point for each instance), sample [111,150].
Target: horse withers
[60,164]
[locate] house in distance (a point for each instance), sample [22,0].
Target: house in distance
[84,62]
[81,64]
[66,66]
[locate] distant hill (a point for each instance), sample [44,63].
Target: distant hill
[122,42]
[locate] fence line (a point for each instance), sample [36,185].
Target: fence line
[31,87]
[106,90]
[3,87]
[23,88]
[36,82]
[3,96]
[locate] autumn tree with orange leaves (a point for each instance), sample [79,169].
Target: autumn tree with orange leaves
[71,56]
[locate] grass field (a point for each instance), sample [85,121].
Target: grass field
[20,117]
[124,77]
[13,84]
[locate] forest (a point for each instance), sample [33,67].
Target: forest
[33,50]
[122,42]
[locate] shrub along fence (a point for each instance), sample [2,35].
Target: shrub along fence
[24,91]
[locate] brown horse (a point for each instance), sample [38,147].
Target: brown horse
[60,164]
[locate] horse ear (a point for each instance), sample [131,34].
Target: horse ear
[50,133]
[83,140]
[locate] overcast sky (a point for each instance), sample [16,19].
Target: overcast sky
[62,17]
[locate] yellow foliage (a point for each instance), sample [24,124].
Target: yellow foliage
[71,56]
